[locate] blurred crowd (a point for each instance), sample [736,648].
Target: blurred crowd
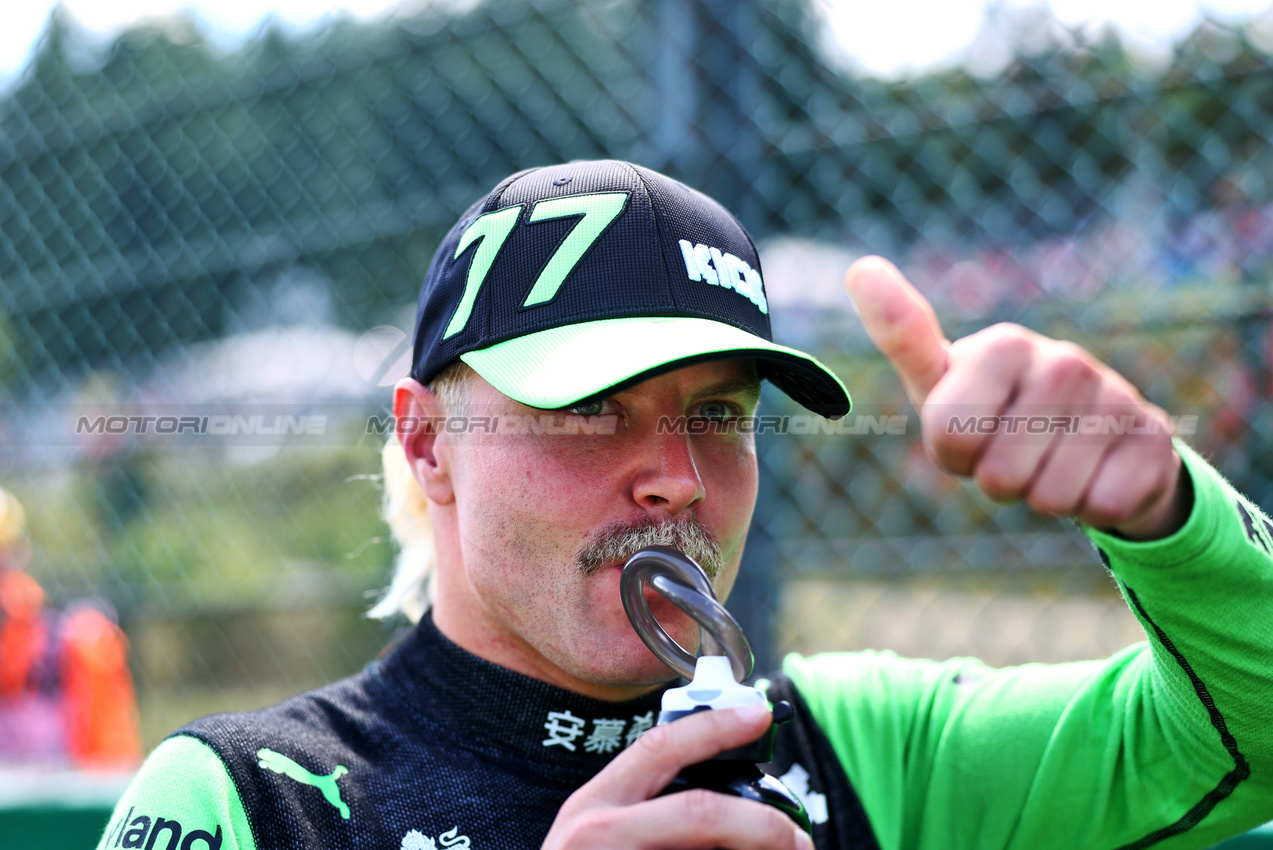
[66,694]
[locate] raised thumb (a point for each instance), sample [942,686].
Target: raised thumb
[900,322]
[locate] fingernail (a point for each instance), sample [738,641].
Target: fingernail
[753,711]
[803,841]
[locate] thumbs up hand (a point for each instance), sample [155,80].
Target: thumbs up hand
[981,400]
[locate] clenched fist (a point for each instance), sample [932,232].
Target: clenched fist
[1128,478]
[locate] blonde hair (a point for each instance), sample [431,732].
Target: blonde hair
[405,508]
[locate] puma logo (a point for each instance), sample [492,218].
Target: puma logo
[280,763]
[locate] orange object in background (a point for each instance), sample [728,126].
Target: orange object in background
[23,632]
[66,694]
[102,727]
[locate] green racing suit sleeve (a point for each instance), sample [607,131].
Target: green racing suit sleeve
[183,796]
[1168,744]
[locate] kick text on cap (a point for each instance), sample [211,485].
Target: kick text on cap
[705,263]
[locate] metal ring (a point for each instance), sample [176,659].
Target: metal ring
[680,580]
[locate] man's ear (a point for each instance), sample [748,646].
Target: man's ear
[418,413]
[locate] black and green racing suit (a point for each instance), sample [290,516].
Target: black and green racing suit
[1168,744]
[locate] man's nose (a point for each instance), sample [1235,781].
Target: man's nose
[669,480]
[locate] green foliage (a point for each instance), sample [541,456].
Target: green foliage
[303,525]
[168,172]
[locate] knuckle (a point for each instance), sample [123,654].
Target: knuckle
[775,830]
[1117,391]
[588,829]
[1007,338]
[998,481]
[1151,441]
[1105,506]
[1005,344]
[953,455]
[1158,445]
[574,803]
[950,441]
[1050,502]
[1070,366]
[658,743]
[1007,330]
[702,808]
[934,420]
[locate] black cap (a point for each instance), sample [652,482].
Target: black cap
[573,280]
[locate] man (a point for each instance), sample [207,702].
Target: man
[590,305]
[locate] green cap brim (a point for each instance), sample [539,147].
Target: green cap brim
[563,366]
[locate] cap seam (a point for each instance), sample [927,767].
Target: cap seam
[661,236]
[498,194]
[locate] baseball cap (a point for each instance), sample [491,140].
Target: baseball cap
[570,282]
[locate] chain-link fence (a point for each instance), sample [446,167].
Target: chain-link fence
[187,227]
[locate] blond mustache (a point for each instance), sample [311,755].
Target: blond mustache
[621,540]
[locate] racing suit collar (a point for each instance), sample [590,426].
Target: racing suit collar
[444,685]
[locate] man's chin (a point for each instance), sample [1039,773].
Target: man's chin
[617,657]
[656,675]
[627,663]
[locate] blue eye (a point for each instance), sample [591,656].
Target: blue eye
[589,408]
[715,411]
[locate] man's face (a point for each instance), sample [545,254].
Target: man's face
[525,576]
